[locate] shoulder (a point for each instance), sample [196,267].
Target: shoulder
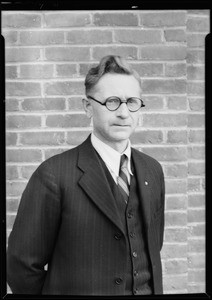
[146,158]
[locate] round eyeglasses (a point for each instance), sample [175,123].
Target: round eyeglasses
[112,103]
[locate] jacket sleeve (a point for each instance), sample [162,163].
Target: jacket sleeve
[162,209]
[32,239]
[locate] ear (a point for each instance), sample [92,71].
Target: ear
[87,107]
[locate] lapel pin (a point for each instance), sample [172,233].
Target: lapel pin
[146,183]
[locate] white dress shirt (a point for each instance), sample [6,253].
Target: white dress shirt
[111,157]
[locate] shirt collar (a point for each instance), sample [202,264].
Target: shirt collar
[110,156]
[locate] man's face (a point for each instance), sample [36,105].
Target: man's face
[114,127]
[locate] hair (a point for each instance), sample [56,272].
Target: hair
[108,64]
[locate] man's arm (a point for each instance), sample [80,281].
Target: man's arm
[162,209]
[32,239]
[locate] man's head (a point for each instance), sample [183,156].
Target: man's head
[113,121]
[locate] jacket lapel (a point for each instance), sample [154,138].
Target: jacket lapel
[94,183]
[144,183]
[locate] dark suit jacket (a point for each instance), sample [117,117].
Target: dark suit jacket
[68,219]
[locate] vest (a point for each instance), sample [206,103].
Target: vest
[138,272]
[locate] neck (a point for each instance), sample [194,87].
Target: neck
[118,146]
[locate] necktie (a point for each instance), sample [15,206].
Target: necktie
[122,179]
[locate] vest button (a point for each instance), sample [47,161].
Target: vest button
[117,236]
[135,291]
[132,234]
[130,214]
[118,281]
[135,273]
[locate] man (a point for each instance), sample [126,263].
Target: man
[91,219]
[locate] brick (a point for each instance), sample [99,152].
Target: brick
[15,188]
[129,52]
[196,104]
[11,72]
[10,220]
[115,19]
[164,120]
[175,282]
[177,136]
[196,230]
[196,200]
[195,72]
[175,70]
[197,12]
[175,235]
[196,288]
[167,153]
[196,40]
[175,267]
[175,250]
[21,20]
[137,36]
[27,171]
[195,56]
[161,19]
[196,215]
[85,67]
[176,186]
[42,138]
[168,86]
[193,185]
[37,71]
[147,137]
[163,52]
[153,102]
[175,218]
[197,24]
[175,35]
[64,88]
[196,260]
[20,121]
[31,38]
[11,138]
[177,102]
[12,104]
[23,155]
[38,104]
[91,36]
[23,89]
[22,54]
[77,137]
[175,171]
[75,104]
[11,172]
[176,202]
[12,205]
[65,121]
[148,69]
[51,152]
[66,70]
[196,168]
[67,53]
[66,19]
[196,276]
[196,120]
[11,37]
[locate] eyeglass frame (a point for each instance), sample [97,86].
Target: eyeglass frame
[120,103]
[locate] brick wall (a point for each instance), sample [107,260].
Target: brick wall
[47,56]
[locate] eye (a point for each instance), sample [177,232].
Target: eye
[113,100]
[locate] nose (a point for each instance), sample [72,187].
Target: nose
[123,111]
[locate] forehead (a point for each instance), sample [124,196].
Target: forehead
[118,85]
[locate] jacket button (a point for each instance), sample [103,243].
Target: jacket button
[135,254]
[118,281]
[117,236]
